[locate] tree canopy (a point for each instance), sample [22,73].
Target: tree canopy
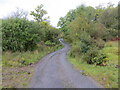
[39,13]
[88,28]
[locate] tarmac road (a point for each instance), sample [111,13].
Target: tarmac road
[55,71]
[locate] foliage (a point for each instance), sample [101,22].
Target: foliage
[87,29]
[94,56]
[18,35]
[107,75]
[64,21]
[99,43]
[39,13]
[112,52]
[49,43]
[20,59]
[22,35]
[109,17]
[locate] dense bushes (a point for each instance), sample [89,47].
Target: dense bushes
[88,40]
[17,35]
[87,30]
[94,56]
[20,34]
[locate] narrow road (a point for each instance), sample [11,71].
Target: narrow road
[54,71]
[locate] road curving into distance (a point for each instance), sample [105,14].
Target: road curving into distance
[55,71]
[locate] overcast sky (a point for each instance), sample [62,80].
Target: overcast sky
[55,8]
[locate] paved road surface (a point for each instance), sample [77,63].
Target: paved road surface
[54,71]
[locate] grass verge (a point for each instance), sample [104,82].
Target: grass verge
[105,75]
[19,67]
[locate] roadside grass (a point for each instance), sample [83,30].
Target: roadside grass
[19,67]
[105,75]
[20,59]
[111,50]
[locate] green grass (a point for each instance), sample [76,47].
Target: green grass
[105,75]
[19,67]
[111,50]
[20,59]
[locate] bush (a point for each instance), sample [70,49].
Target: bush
[110,33]
[18,35]
[51,34]
[49,43]
[97,30]
[94,56]
[86,42]
[113,32]
[76,50]
[99,43]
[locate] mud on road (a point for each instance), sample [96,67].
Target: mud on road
[54,71]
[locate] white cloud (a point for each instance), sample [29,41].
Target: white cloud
[55,8]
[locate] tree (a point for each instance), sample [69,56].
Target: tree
[85,34]
[19,13]
[39,13]
[110,17]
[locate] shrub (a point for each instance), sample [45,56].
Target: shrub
[97,30]
[18,35]
[94,56]
[99,43]
[86,42]
[113,32]
[76,50]
[49,43]
[51,34]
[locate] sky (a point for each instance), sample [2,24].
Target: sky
[55,8]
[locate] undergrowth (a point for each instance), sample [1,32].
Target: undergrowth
[105,75]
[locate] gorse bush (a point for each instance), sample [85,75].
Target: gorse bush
[20,34]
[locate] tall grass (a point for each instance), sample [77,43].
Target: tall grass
[19,67]
[19,59]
